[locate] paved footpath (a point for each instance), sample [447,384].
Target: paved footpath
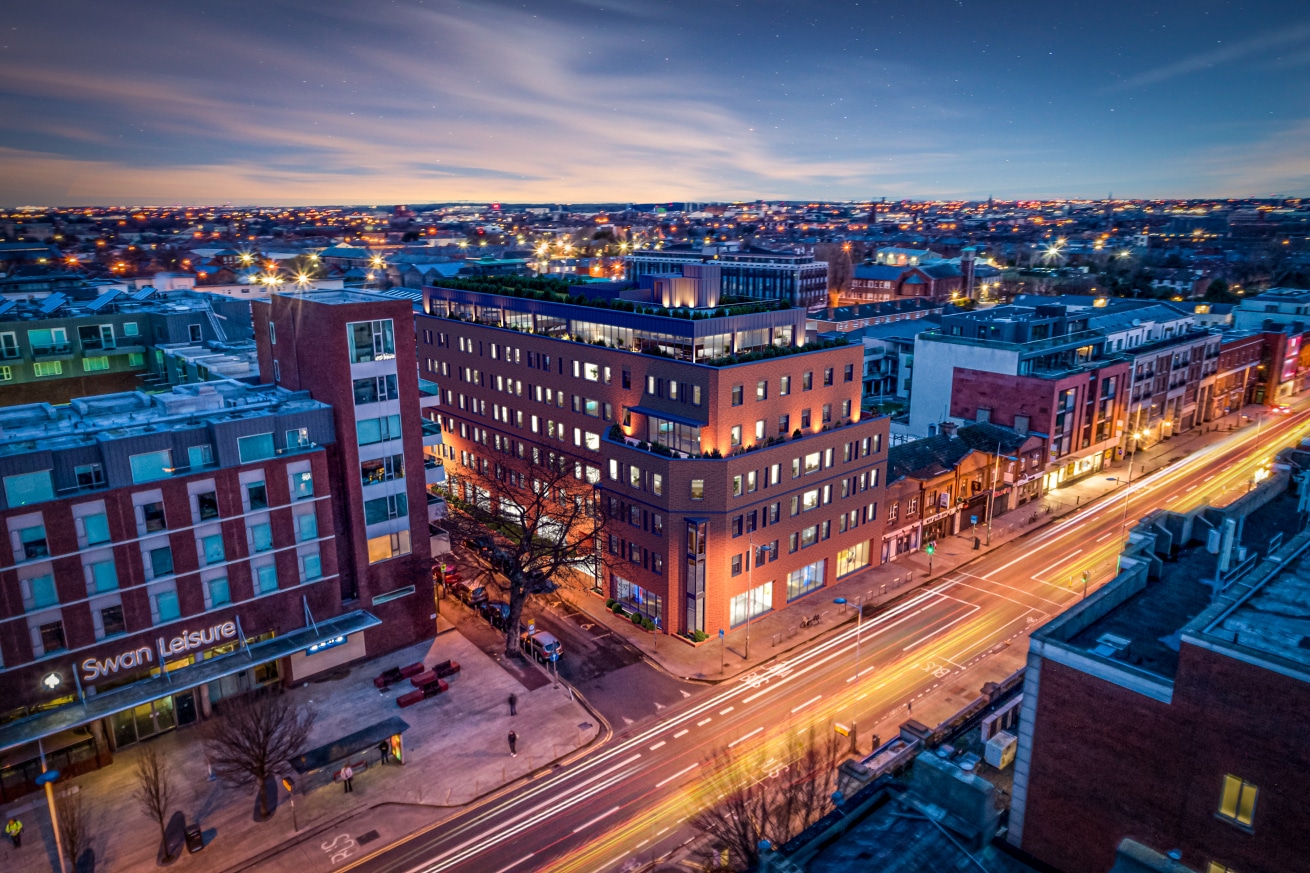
[456,751]
[744,649]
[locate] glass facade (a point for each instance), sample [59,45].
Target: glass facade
[751,604]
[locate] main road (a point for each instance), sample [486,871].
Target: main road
[629,800]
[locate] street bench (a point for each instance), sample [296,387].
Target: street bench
[393,675]
[440,671]
[432,689]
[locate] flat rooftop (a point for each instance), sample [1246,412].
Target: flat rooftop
[85,420]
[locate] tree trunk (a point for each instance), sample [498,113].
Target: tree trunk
[516,596]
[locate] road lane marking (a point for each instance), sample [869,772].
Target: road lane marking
[683,772]
[606,814]
[682,733]
[926,637]
[1040,573]
[662,833]
[726,711]
[869,669]
[639,845]
[658,745]
[1190,490]
[799,707]
[704,721]
[516,863]
[744,738]
[1103,537]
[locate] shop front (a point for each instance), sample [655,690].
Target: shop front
[132,695]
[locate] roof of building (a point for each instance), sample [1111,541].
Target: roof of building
[874,310]
[84,420]
[985,437]
[1281,295]
[926,458]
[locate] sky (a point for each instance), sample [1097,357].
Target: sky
[158,102]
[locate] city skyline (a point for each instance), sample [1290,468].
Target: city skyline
[571,102]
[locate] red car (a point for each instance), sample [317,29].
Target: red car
[1281,410]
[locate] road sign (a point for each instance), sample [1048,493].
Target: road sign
[973,519]
[288,784]
[841,729]
[532,627]
[47,776]
[720,633]
[554,656]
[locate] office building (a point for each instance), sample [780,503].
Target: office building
[735,463]
[760,274]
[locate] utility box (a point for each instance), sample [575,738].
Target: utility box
[195,840]
[1000,750]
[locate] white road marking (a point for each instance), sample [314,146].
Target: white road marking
[516,863]
[926,637]
[726,711]
[1104,537]
[799,707]
[585,825]
[683,772]
[682,733]
[658,745]
[744,738]
[1040,573]
[861,673]
[704,721]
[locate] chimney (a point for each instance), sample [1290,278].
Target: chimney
[948,428]
[967,268]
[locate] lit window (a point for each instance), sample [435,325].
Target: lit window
[1237,803]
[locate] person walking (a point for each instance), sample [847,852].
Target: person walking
[513,744]
[14,830]
[513,704]
[347,774]
[384,748]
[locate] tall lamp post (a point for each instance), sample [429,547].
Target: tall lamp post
[1128,495]
[859,621]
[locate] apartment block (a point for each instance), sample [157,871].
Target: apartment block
[760,274]
[355,352]
[736,460]
[162,552]
[60,347]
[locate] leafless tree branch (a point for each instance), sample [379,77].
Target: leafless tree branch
[255,738]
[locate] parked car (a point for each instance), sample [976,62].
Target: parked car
[471,592]
[482,544]
[542,645]
[496,612]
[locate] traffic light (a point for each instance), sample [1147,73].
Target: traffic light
[931,548]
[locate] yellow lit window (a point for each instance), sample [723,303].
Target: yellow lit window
[1238,800]
[1219,868]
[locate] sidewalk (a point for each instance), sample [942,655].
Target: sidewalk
[455,752]
[781,630]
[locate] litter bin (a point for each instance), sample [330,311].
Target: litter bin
[195,841]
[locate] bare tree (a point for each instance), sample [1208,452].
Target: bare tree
[841,258]
[154,793]
[769,794]
[545,506]
[254,739]
[74,824]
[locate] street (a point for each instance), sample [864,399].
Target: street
[630,799]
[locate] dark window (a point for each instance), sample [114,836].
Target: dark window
[736,525]
[161,561]
[850,373]
[111,619]
[153,513]
[736,565]
[736,395]
[805,418]
[258,495]
[784,424]
[207,504]
[52,637]
[627,379]
[827,376]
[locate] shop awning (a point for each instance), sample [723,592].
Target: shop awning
[44,724]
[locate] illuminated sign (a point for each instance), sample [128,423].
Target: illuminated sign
[94,668]
[324,644]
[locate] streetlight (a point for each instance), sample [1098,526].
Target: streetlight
[1128,495]
[859,622]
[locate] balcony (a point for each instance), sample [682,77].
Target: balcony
[434,472]
[431,432]
[52,350]
[428,394]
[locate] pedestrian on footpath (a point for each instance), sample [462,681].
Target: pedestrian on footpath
[347,774]
[513,704]
[14,830]
[513,744]
[385,748]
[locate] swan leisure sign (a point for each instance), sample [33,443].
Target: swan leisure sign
[186,641]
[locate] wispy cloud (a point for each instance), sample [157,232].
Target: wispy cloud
[1268,41]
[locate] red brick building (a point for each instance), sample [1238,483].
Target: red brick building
[355,351]
[1184,733]
[764,482]
[169,530]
